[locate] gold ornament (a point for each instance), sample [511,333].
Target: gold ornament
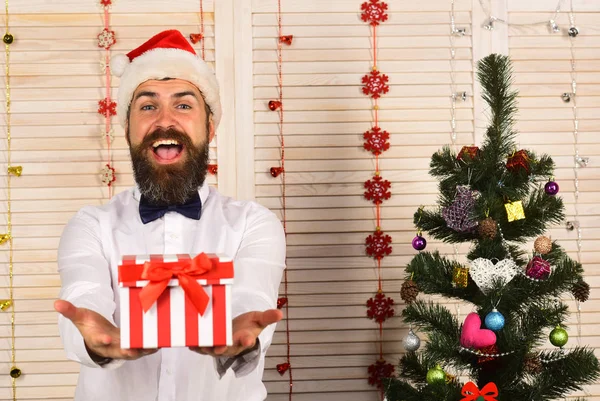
[15,170]
[15,372]
[460,276]
[4,238]
[542,245]
[450,378]
[5,304]
[514,210]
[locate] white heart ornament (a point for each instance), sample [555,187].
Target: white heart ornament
[484,272]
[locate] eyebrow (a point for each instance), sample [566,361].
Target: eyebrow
[177,95]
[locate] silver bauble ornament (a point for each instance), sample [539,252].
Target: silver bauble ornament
[411,342]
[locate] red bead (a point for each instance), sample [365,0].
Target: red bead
[196,37]
[281,302]
[276,171]
[283,367]
[274,105]
[287,39]
[213,168]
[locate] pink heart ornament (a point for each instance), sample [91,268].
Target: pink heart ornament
[473,336]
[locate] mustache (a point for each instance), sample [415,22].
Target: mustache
[169,133]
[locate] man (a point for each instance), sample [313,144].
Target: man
[168,103]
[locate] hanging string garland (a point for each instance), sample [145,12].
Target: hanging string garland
[377,190]
[107,107]
[13,171]
[276,105]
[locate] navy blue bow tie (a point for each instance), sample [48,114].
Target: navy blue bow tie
[191,209]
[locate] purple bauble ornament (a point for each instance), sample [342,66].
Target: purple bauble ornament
[538,268]
[419,243]
[551,188]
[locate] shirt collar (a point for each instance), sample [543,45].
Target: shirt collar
[204,191]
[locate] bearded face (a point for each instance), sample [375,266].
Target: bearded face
[169,130]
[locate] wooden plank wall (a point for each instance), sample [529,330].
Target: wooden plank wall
[57,82]
[55,87]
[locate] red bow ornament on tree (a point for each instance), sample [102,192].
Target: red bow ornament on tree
[160,273]
[489,392]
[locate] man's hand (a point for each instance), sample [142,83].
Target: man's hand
[102,339]
[246,329]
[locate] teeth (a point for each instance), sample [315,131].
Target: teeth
[165,142]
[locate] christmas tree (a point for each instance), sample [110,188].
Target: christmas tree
[496,198]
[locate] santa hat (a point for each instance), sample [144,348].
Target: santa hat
[166,55]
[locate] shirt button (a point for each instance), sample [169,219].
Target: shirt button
[169,372]
[173,236]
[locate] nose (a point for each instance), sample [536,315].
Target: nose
[165,119]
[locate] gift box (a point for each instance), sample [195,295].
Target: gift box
[175,301]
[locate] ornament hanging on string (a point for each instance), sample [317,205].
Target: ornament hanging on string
[459,215]
[380,370]
[460,276]
[494,320]
[484,272]
[468,153]
[411,342]
[473,336]
[436,375]
[514,211]
[538,268]
[286,39]
[375,84]
[374,12]
[380,307]
[377,189]
[542,245]
[378,245]
[196,37]
[551,188]
[8,39]
[532,364]
[409,291]
[419,242]
[106,39]
[573,31]
[376,141]
[108,175]
[559,337]
[488,228]
[283,367]
[519,160]
[581,291]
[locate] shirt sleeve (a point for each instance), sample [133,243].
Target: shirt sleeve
[85,282]
[259,265]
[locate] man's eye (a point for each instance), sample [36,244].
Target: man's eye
[184,106]
[147,107]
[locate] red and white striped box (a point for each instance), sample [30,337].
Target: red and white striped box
[173,320]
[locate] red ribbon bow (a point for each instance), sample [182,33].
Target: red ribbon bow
[160,273]
[489,392]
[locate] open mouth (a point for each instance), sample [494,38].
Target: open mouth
[167,150]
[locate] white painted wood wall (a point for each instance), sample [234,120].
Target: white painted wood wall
[56,83]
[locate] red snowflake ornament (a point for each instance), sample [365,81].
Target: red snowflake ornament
[374,12]
[106,3]
[107,107]
[377,189]
[106,38]
[375,84]
[380,370]
[378,245]
[108,175]
[380,307]
[376,141]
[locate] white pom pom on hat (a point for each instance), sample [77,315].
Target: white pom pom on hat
[165,55]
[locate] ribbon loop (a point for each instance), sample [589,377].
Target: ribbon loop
[159,274]
[489,392]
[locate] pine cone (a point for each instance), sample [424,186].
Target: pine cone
[532,364]
[409,291]
[488,228]
[581,291]
[542,245]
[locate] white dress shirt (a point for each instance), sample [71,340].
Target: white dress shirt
[88,257]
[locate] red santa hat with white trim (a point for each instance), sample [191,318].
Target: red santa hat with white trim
[165,55]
